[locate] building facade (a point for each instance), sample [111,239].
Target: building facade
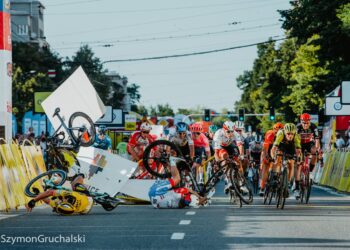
[27,22]
[122,82]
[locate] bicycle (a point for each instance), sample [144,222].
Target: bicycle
[305,181]
[42,183]
[81,132]
[165,153]
[282,190]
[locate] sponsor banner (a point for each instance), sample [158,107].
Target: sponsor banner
[5,32]
[6,92]
[334,106]
[130,122]
[107,116]
[39,97]
[5,6]
[104,171]
[76,94]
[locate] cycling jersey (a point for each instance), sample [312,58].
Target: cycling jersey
[255,151]
[269,138]
[220,140]
[105,143]
[201,142]
[139,143]
[162,194]
[307,135]
[81,203]
[177,140]
[280,138]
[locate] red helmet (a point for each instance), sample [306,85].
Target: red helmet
[278,126]
[196,128]
[305,117]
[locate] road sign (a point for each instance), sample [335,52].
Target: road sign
[39,97]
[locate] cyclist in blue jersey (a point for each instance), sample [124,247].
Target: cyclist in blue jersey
[103,141]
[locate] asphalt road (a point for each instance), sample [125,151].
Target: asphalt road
[323,224]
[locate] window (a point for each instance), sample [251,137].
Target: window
[22,29]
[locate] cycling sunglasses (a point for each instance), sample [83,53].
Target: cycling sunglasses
[230,131]
[197,133]
[145,132]
[290,133]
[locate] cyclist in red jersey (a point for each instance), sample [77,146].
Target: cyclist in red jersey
[139,141]
[201,144]
[136,146]
[310,143]
[265,155]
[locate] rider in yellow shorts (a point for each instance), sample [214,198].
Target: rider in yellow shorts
[287,142]
[64,202]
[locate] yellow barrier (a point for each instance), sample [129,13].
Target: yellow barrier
[18,165]
[336,172]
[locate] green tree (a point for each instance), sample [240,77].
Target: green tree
[23,88]
[343,13]
[161,110]
[307,73]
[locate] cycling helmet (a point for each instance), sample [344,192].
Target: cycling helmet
[305,117]
[239,125]
[102,130]
[181,127]
[278,126]
[290,128]
[196,128]
[145,126]
[65,208]
[213,129]
[228,125]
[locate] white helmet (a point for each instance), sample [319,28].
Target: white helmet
[145,126]
[228,125]
[239,125]
[194,201]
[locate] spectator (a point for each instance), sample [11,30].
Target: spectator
[339,143]
[347,132]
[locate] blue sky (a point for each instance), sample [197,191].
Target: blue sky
[137,29]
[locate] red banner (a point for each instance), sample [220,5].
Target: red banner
[5,31]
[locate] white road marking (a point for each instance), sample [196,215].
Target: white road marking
[185,222]
[177,236]
[6,216]
[191,213]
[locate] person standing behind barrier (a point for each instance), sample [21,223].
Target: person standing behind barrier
[339,143]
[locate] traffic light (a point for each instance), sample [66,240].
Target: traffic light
[241,115]
[207,115]
[272,114]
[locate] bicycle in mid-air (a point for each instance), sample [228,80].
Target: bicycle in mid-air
[157,160]
[81,132]
[43,182]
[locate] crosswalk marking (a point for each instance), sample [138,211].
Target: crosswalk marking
[177,236]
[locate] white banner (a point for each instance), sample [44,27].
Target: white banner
[75,94]
[345,92]
[104,171]
[334,106]
[6,92]
[107,116]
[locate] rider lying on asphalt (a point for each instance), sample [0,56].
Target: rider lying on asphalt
[64,201]
[166,194]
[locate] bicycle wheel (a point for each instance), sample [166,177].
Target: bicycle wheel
[308,190]
[241,186]
[284,191]
[156,157]
[32,188]
[266,193]
[82,129]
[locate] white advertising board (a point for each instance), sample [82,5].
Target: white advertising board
[107,116]
[76,94]
[6,92]
[334,107]
[104,171]
[345,93]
